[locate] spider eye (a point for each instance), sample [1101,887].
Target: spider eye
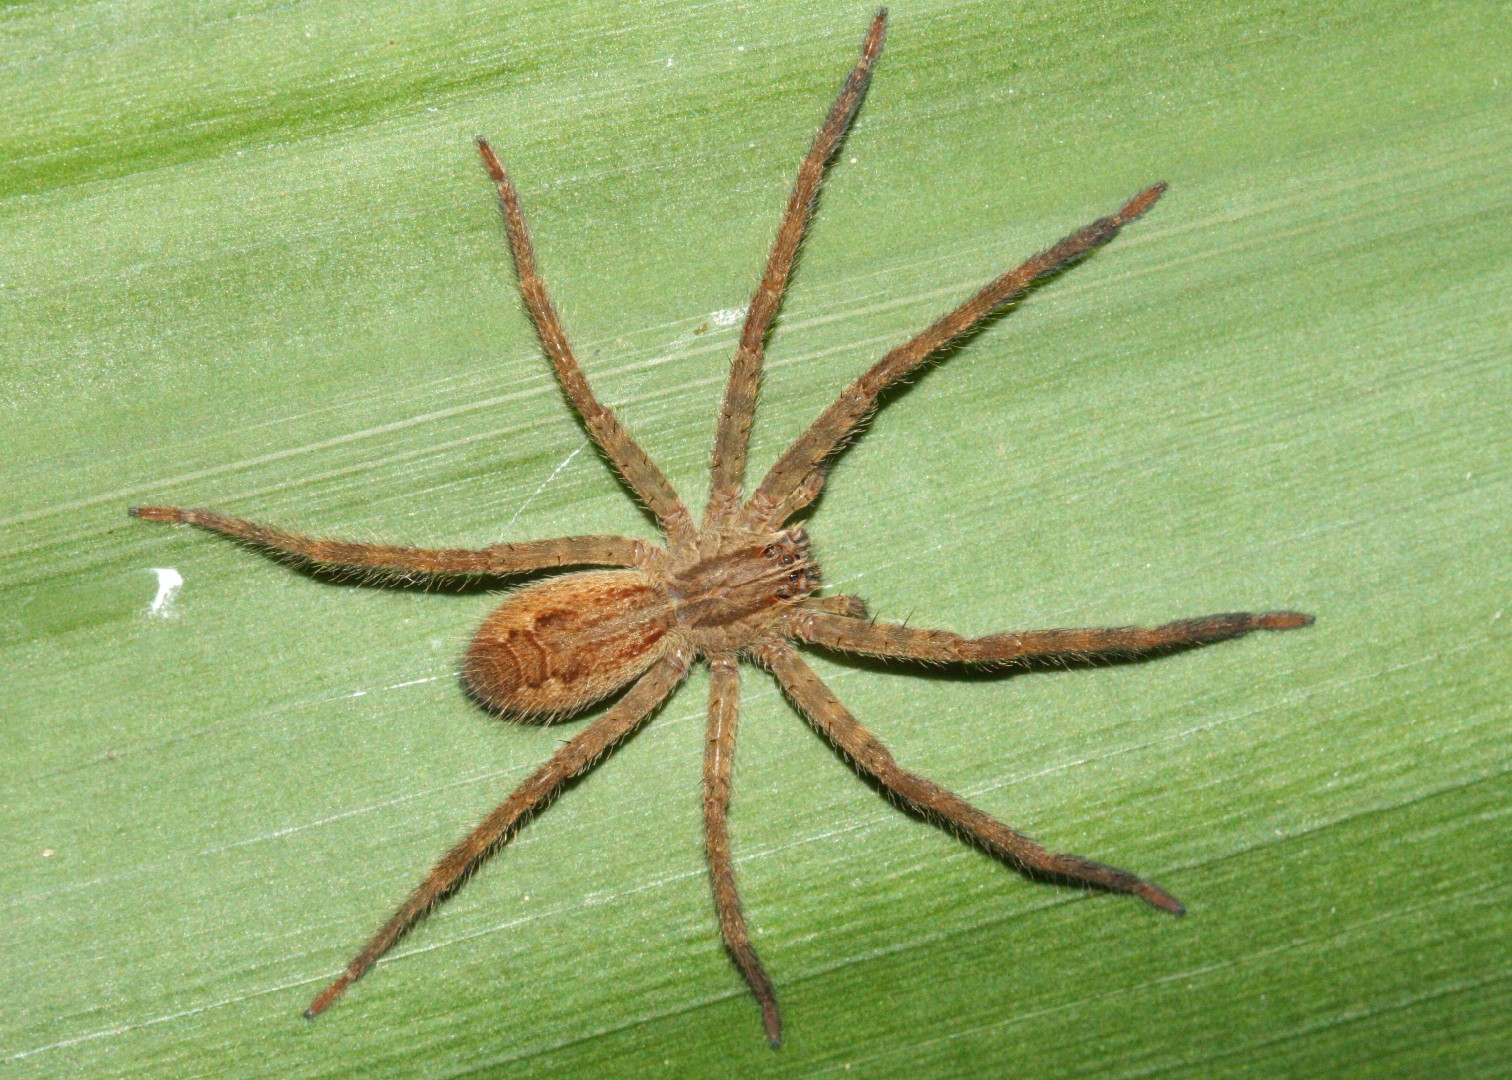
[793,577]
[787,559]
[770,551]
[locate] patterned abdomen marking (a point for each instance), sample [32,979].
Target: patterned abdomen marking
[555,647]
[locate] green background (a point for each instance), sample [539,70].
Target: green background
[250,261]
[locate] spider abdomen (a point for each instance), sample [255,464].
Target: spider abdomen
[555,647]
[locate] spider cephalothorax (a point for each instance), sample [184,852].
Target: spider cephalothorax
[737,586]
[727,599]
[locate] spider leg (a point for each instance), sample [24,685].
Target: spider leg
[637,468]
[897,642]
[794,501]
[840,606]
[836,424]
[719,759]
[825,712]
[734,432]
[499,559]
[574,758]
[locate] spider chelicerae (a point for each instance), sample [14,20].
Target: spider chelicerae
[740,584]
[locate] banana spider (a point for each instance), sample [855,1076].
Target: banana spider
[736,585]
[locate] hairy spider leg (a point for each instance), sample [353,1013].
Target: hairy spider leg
[385,558]
[575,757]
[896,642]
[796,468]
[733,437]
[824,711]
[633,463]
[719,760]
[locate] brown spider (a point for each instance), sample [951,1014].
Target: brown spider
[739,585]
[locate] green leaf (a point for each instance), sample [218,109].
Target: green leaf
[251,262]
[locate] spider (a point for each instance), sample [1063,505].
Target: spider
[739,584]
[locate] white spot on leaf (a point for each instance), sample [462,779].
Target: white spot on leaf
[169,580]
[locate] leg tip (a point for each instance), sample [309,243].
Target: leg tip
[1283,620]
[1158,897]
[1140,203]
[157,513]
[492,163]
[771,1019]
[326,996]
[872,46]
